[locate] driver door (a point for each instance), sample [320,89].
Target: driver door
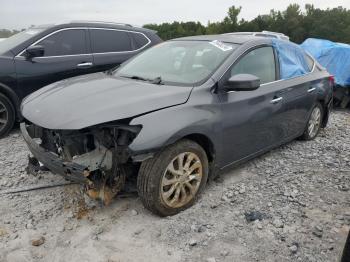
[66,54]
[253,120]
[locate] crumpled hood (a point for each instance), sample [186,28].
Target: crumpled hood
[93,99]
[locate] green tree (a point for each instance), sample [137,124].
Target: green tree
[330,23]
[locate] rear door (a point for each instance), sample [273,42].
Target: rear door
[111,47]
[253,120]
[66,54]
[299,98]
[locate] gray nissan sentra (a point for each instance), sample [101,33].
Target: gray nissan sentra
[176,115]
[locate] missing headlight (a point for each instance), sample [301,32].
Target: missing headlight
[101,151]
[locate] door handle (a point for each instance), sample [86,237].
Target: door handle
[311,90]
[276,100]
[84,65]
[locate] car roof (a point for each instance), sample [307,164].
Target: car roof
[235,39]
[49,28]
[83,23]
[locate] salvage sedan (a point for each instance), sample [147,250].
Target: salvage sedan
[176,115]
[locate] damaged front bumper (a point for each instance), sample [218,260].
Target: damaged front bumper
[96,157]
[70,170]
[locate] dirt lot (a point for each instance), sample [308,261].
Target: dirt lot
[292,204]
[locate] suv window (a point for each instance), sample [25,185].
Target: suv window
[67,42]
[259,62]
[105,40]
[139,40]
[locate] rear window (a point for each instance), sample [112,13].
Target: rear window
[140,40]
[109,40]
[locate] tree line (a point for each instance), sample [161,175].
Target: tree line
[332,24]
[4,33]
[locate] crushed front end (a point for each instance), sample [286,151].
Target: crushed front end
[96,157]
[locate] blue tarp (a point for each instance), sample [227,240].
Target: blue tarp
[292,59]
[335,57]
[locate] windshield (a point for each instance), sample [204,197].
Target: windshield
[11,42]
[178,62]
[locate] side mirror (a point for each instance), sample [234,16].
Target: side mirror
[242,82]
[35,51]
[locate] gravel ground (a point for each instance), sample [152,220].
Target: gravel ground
[291,204]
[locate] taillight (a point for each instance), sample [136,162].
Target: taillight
[331,80]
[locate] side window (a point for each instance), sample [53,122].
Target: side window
[259,62]
[104,41]
[67,42]
[139,40]
[310,62]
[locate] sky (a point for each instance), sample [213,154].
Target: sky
[18,14]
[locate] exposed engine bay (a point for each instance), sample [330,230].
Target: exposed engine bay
[99,154]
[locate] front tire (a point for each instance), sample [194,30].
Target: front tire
[314,123]
[7,115]
[173,179]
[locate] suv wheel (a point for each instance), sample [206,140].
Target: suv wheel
[314,124]
[172,180]
[7,115]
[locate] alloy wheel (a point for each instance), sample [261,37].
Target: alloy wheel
[314,122]
[181,180]
[3,116]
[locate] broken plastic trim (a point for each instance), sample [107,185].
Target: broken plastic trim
[93,157]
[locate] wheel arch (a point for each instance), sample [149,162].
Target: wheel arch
[12,96]
[167,126]
[205,142]
[208,145]
[326,111]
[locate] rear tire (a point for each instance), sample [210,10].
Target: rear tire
[314,123]
[7,115]
[172,180]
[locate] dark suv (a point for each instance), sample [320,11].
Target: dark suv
[46,54]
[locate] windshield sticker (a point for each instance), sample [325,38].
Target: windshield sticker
[222,46]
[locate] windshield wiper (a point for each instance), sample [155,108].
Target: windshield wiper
[135,77]
[138,78]
[111,71]
[157,81]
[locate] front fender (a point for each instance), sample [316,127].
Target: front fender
[164,127]
[8,81]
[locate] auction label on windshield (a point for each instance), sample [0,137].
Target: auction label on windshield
[222,46]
